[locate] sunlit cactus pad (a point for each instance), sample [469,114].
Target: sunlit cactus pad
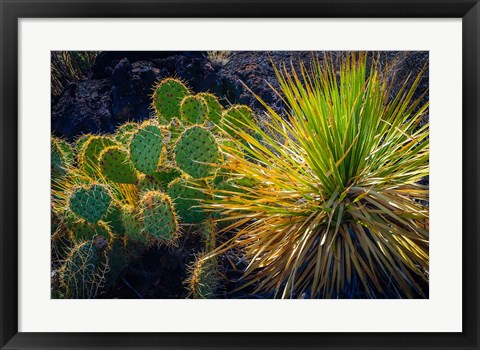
[90,151]
[148,183]
[84,231]
[195,150]
[204,278]
[132,224]
[236,118]
[158,216]
[187,201]
[124,133]
[116,165]
[214,107]
[59,160]
[78,275]
[194,110]
[90,203]
[166,174]
[145,148]
[167,97]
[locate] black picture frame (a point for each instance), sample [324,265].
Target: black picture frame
[11,11]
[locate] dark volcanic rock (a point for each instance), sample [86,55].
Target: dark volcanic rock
[122,83]
[84,107]
[131,90]
[107,60]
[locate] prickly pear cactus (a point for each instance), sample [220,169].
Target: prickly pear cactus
[194,150]
[146,148]
[166,174]
[80,141]
[214,107]
[117,260]
[113,219]
[187,201]
[59,159]
[132,224]
[208,232]
[90,151]
[158,217]
[85,231]
[116,165]
[235,117]
[124,133]
[81,276]
[175,129]
[167,96]
[90,203]
[148,183]
[194,110]
[67,150]
[204,280]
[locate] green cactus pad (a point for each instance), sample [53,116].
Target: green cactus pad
[175,129]
[208,233]
[59,160]
[146,148]
[80,142]
[148,183]
[204,279]
[214,107]
[113,219]
[187,201]
[117,262]
[90,152]
[116,165]
[67,150]
[166,174]
[235,117]
[194,150]
[158,217]
[167,97]
[124,133]
[194,110]
[90,203]
[78,275]
[84,231]
[132,224]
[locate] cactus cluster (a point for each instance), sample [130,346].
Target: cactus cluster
[141,186]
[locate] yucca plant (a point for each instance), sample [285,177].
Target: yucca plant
[336,208]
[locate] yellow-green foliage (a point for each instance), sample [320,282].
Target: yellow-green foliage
[337,208]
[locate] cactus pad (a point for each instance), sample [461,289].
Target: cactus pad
[132,224]
[113,219]
[148,183]
[166,174]
[59,161]
[116,165]
[79,275]
[194,150]
[90,203]
[204,279]
[235,117]
[90,151]
[85,231]
[146,148]
[124,133]
[194,110]
[187,201]
[214,107]
[158,217]
[167,97]
[66,149]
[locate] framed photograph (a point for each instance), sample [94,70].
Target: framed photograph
[250,174]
